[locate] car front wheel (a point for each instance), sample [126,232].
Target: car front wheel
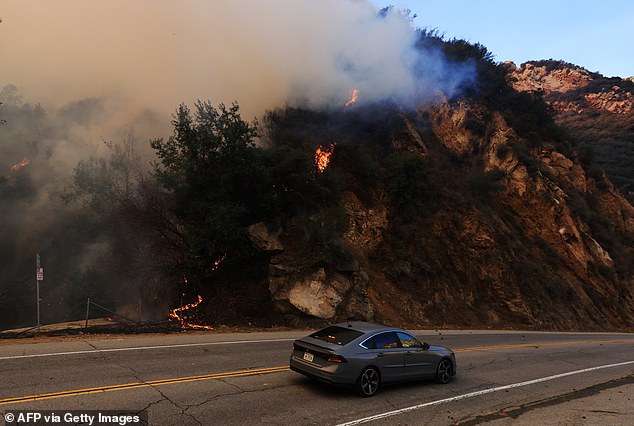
[443,372]
[368,382]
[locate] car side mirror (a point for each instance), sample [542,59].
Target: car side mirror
[425,346]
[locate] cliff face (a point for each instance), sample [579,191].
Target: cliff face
[571,88]
[532,259]
[597,111]
[509,234]
[530,76]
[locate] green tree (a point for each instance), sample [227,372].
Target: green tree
[218,180]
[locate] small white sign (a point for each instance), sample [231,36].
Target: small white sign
[40,274]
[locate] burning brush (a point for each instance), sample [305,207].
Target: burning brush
[180,315]
[216,263]
[322,157]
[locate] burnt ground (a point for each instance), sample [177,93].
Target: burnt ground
[108,328]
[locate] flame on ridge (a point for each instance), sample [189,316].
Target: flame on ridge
[353,97]
[25,162]
[322,157]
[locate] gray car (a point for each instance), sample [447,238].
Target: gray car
[365,356]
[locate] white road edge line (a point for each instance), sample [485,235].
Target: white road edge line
[478,393]
[143,348]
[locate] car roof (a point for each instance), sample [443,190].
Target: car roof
[365,327]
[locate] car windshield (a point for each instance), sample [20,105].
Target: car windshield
[337,335]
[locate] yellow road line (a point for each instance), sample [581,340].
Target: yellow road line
[253,372]
[136,385]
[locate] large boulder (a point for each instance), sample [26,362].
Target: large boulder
[313,292]
[314,296]
[263,239]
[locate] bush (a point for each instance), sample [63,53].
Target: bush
[482,185]
[406,181]
[531,163]
[502,151]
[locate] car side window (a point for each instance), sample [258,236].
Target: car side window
[369,343]
[386,341]
[409,341]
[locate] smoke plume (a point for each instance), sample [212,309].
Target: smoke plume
[77,73]
[159,53]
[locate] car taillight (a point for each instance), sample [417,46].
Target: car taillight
[295,347]
[336,358]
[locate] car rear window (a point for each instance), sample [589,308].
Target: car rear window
[337,335]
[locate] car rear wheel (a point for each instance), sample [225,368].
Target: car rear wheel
[368,382]
[443,372]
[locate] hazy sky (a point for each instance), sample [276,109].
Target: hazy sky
[598,35]
[159,53]
[264,54]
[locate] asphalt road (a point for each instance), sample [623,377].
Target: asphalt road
[217,379]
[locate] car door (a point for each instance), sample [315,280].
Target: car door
[419,362]
[389,356]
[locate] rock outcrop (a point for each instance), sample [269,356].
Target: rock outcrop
[449,125]
[583,90]
[534,77]
[597,111]
[615,100]
[339,293]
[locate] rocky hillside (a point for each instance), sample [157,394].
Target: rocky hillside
[470,225]
[598,112]
[477,211]
[573,88]
[473,211]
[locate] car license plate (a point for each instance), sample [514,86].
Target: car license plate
[308,357]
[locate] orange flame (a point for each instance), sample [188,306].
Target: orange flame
[322,157]
[177,314]
[353,98]
[218,262]
[21,164]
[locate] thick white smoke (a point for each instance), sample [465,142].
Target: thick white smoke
[159,53]
[76,73]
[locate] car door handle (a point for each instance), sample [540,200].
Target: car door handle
[380,354]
